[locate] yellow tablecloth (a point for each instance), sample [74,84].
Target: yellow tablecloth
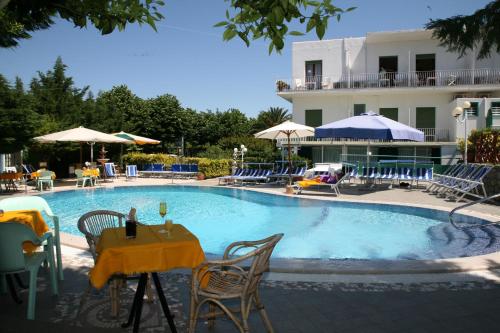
[91,173]
[10,175]
[37,174]
[31,218]
[150,251]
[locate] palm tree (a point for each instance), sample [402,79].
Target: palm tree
[272,117]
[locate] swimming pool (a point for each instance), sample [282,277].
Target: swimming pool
[312,228]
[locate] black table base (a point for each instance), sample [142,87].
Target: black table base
[136,310]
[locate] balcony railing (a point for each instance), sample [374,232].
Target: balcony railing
[438,78]
[430,135]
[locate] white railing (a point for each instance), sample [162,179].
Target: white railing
[437,78]
[430,135]
[436,134]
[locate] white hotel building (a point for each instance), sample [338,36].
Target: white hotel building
[403,75]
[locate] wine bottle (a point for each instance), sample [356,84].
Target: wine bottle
[131,224]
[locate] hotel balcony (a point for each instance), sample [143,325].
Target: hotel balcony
[391,80]
[430,135]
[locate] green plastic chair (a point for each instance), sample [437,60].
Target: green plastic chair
[80,178]
[45,178]
[28,202]
[13,260]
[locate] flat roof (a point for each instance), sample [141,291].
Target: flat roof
[384,36]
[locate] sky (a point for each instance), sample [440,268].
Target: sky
[188,59]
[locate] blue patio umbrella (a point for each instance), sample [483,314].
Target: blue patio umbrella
[369,126]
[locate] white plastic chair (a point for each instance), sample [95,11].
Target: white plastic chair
[298,84]
[37,203]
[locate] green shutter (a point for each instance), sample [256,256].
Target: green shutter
[314,118]
[359,109]
[425,118]
[391,113]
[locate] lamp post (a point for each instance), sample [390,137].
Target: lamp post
[460,114]
[240,152]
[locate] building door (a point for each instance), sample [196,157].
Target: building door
[314,118]
[426,122]
[425,65]
[313,74]
[391,113]
[387,67]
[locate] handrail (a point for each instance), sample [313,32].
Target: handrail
[454,210]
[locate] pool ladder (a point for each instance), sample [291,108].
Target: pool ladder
[460,227]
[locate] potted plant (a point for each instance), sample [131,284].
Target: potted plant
[281,85]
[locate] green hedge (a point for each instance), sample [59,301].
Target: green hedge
[209,167]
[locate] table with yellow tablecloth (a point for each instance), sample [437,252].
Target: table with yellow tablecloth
[150,252]
[91,173]
[31,218]
[38,173]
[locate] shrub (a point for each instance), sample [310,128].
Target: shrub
[209,167]
[483,146]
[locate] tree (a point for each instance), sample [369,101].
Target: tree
[119,109]
[272,117]
[56,99]
[17,121]
[269,19]
[463,33]
[18,18]
[248,19]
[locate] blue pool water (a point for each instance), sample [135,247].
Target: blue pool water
[312,228]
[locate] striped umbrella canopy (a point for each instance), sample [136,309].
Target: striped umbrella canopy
[139,140]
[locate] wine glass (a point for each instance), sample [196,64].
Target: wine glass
[163,209]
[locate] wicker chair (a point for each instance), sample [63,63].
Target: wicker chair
[216,281]
[91,225]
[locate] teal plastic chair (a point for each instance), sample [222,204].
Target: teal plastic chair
[80,178]
[45,179]
[13,259]
[37,203]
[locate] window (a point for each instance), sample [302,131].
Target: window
[425,118]
[474,108]
[391,113]
[359,109]
[314,118]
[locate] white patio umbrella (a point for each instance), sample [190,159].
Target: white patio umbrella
[81,134]
[287,130]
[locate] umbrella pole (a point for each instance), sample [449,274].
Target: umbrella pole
[289,161]
[91,152]
[121,156]
[81,154]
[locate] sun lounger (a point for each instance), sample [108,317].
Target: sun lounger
[229,179]
[329,182]
[131,172]
[471,185]
[110,171]
[259,176]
